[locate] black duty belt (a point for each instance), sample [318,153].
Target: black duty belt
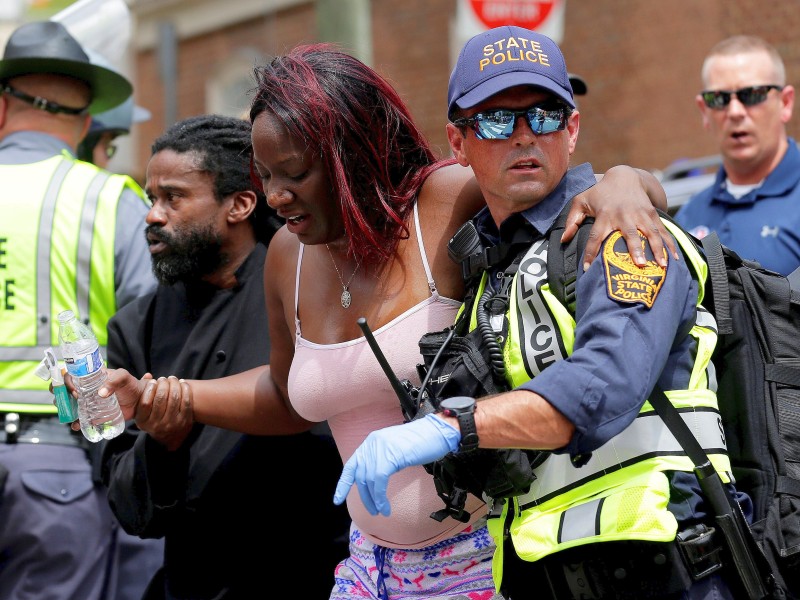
[620,570]
[29,428]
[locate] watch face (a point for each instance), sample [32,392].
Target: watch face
[458,403]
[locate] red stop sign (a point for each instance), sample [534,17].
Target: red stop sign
[529,14]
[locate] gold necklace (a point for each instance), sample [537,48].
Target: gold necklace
[346,298]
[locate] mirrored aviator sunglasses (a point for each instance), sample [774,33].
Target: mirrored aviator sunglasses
[499,124]
[748,96]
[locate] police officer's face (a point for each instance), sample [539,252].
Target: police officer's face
[186,224]
[516,173]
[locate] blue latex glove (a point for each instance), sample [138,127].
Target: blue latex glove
[390,450]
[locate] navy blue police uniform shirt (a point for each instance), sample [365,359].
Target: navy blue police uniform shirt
[622,349]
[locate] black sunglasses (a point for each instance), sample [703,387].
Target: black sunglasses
[499,124]
[749,96]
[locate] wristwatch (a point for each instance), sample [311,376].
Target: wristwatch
[463,409]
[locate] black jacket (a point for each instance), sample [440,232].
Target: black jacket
[239,513]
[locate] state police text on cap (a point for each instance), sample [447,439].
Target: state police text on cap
[504,57]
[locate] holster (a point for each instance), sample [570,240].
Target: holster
[700,549]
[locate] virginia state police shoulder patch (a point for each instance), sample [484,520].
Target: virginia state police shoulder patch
[626,281]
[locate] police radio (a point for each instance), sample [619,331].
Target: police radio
[414,402]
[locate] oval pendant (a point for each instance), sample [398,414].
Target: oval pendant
[346,298]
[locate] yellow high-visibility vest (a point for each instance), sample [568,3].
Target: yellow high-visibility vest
[621,493]
[57,236]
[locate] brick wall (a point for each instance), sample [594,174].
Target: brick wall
[199,56]
[412,49]
[641,60]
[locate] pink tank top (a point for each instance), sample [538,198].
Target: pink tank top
[344,384]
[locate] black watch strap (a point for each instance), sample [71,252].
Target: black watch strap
[469,433]
[463,409]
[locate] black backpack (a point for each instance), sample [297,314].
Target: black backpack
[757,362]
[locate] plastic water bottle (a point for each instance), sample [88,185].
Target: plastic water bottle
[100,418]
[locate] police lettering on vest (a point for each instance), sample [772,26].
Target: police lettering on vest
[6,284]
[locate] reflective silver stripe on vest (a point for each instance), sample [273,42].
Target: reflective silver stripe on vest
[580,522]
[13,353]
[536,329]
[26,396]
[85,237]
[705,319]
[35,353]
[43,291]
[648,431]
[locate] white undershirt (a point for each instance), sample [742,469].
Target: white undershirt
[737,191]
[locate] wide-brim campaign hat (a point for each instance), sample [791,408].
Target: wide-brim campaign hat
[505,57]
[47,47]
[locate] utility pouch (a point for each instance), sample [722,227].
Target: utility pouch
[460,368]
[700,551]
[458,365]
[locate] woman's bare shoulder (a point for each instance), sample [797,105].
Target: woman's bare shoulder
[282,253]
[451,191]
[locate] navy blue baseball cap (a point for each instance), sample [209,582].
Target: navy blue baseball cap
[503,57]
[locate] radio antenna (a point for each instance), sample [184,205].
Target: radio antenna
[407,402]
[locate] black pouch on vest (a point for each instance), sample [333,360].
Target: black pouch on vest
[701,552]
[456,365]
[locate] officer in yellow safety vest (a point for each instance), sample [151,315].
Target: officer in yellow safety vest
[614,509]
[71,237]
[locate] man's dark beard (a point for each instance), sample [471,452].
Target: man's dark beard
[191,254]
